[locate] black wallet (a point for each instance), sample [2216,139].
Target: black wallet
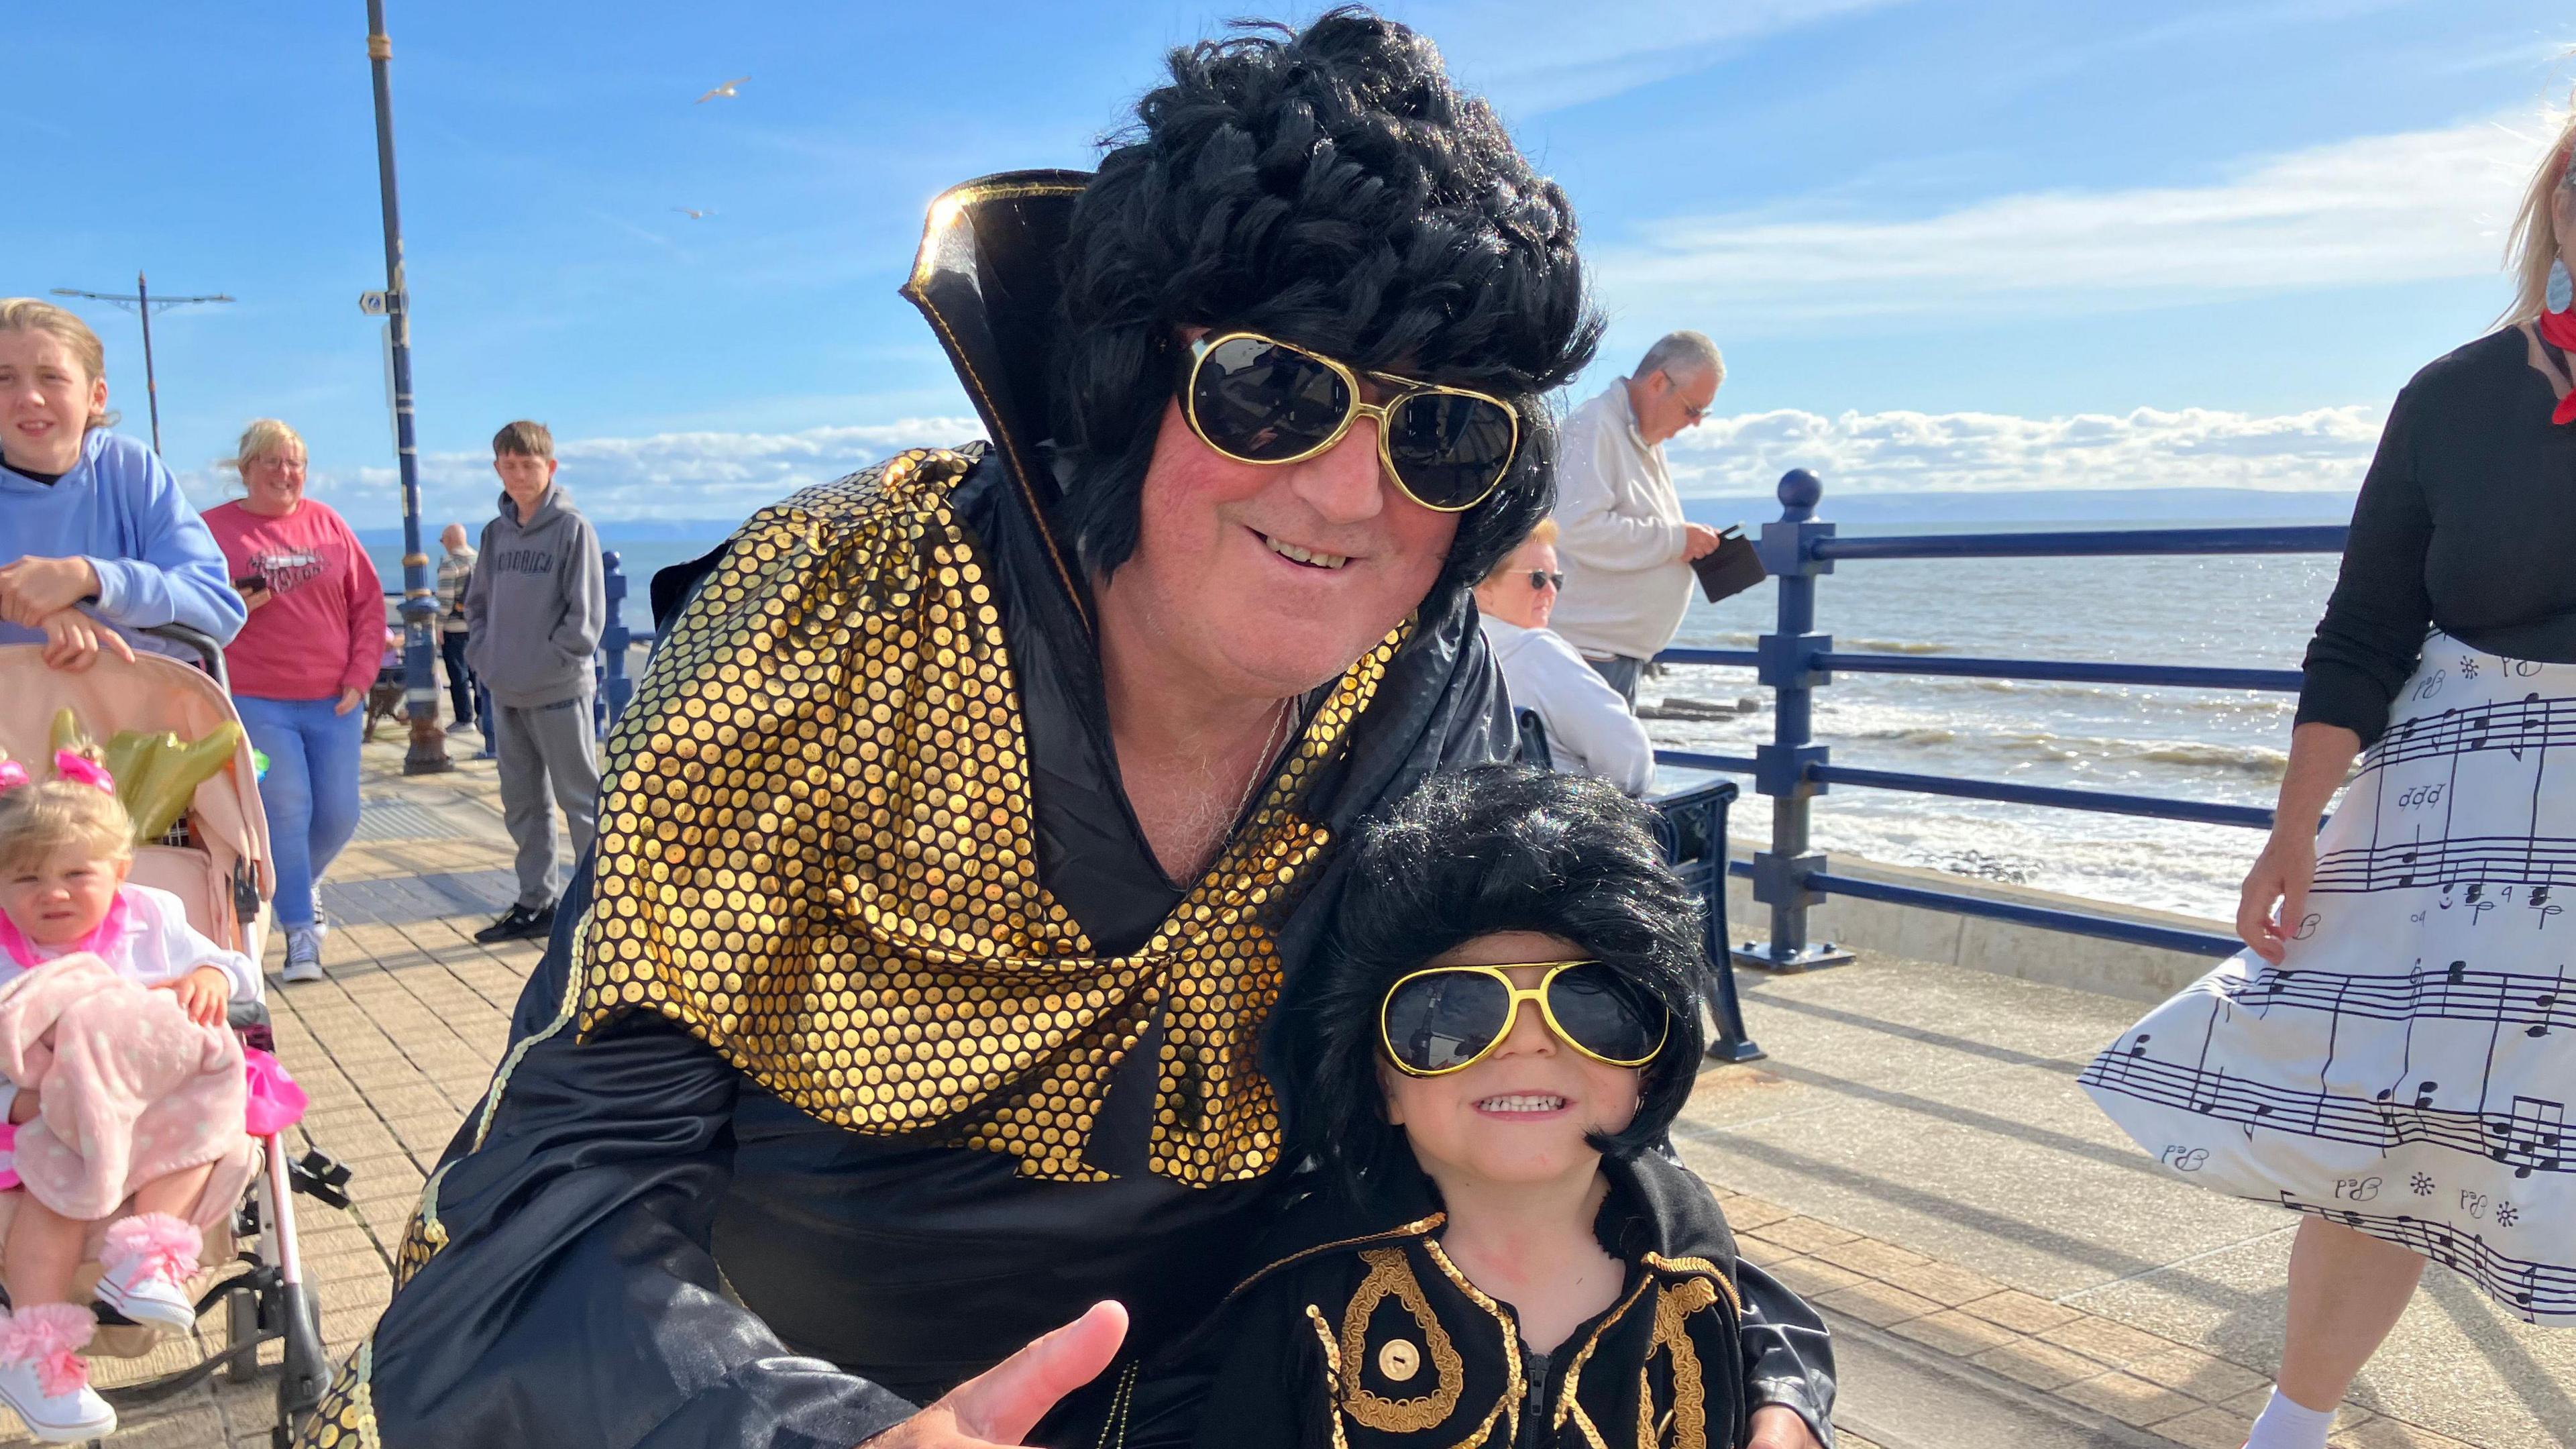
[1730,568]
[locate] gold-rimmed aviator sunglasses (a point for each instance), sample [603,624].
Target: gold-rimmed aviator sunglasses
[1257,399]
[1444,1019]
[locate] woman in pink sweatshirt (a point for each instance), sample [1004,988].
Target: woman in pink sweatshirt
[300,668]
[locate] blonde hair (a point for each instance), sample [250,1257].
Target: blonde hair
[42,817]
[262,438]
[1544,531]
[32,314]
[2532,245]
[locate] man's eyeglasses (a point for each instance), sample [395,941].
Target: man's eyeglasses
[1542,579]
[1697,416]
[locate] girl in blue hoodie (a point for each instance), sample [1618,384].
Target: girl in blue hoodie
[95,536]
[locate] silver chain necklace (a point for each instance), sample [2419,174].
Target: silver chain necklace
[1270,743]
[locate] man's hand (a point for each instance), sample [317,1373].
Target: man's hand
[252,598]
[1776,1426]
[203,994]
[1000,1405]
[24,1107]
[349,699]
[32,588]
[73,640]
[1703,541]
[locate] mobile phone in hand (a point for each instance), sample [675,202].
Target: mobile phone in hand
[251,583]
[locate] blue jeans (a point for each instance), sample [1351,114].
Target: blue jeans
[310,791]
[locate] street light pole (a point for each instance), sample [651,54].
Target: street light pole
[428,755]
[143,302]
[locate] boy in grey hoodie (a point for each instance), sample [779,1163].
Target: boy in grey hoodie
[534,608]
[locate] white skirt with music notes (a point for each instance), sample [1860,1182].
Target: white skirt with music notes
[2409,1068]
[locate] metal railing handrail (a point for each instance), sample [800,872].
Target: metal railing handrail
[2090,543]
[1794,660]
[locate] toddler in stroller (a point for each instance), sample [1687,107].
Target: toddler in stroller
[125,1087]
[201,848]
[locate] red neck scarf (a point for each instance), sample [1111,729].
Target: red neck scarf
[2558,329]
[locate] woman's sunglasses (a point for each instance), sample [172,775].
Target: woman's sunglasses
[1259,400]
[1542,579]
[1445,1019]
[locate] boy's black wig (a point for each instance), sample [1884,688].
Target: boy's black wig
[1331,188]
[1497,848]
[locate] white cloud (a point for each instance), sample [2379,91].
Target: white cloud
[709,475]
[2415,206]
[720,476]
[1894,452]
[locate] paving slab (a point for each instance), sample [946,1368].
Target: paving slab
[2002,1266]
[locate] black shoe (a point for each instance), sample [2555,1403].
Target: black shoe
[519,924]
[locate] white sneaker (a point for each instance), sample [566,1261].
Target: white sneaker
[303,955]
[147,1263]
[44,1378]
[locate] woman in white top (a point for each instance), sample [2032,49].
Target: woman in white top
[1589,728]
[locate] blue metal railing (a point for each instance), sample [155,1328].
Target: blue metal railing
[1794,661]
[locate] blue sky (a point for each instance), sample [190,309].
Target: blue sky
[1945,244]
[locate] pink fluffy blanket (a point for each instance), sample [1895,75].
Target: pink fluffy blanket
[131,1089]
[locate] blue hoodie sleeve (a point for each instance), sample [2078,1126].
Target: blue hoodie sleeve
[178,575]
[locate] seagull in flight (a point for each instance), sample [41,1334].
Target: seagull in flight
[726,90]
[692,213]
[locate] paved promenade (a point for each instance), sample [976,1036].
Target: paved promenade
[1915,1155]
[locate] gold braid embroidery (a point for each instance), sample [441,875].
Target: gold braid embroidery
[1566,1407]
[1673,1309]
[1390,1276]
[1514,1386]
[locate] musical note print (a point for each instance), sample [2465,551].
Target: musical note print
[2406,1069]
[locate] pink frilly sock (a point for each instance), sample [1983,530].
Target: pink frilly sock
[147,1242]
[51,1336]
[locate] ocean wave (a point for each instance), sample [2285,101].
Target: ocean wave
[1891,646]
[2256,760]
[2188,700]
[2250,759]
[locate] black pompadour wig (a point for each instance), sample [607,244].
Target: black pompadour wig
[1332,188]
[1497,848]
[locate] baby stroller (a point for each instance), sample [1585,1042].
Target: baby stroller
[216,862]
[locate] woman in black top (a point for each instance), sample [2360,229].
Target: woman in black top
[2384,1057]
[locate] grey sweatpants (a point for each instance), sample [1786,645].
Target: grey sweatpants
[541,747]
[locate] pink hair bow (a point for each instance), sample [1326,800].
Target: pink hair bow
[12,775]
[81,769]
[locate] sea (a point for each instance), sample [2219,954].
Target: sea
[2225,746]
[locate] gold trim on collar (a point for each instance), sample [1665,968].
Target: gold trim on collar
[816,853]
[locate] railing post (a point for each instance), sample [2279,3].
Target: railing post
[1788,665]
[615,689]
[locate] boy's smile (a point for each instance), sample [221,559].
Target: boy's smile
[1523,1113]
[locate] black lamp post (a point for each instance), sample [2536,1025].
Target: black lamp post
[428,755]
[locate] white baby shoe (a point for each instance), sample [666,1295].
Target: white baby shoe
[44,1378]
[147,1263]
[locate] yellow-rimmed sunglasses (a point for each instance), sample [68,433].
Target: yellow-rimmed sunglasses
[1257,399]
[1445,1019]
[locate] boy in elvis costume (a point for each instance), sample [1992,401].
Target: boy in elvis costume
[1497,1248]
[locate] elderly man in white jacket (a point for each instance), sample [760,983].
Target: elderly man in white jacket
[1589,728]
[1626,546]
